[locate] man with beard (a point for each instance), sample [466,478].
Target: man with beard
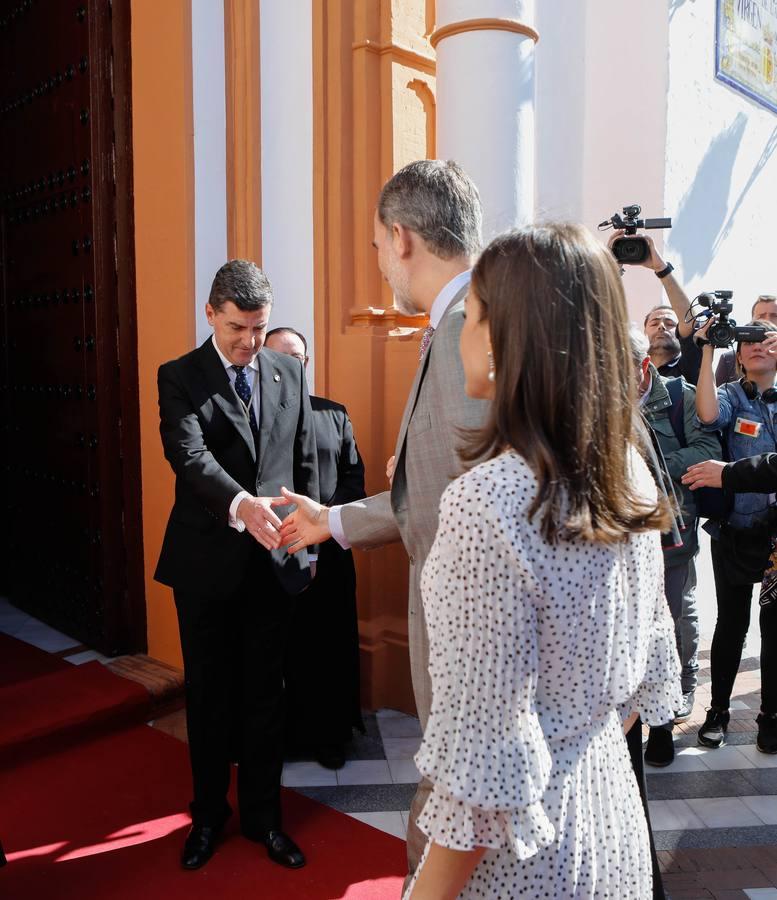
[427,233]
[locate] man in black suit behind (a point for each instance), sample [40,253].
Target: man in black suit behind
[236,425]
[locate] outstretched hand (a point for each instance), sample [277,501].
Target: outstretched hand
[308,524]
[704,474]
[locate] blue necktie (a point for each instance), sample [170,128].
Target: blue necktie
[244,392]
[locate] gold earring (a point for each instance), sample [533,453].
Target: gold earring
[491,367]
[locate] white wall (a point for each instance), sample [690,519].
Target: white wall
[721,177]
[601,132]
[210,154]
[286,33]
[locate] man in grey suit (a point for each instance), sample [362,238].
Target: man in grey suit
[427,231]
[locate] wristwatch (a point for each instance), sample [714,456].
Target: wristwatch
[665,271]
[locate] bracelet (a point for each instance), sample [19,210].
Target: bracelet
[665,271]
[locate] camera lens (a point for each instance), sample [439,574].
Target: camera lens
[630,251]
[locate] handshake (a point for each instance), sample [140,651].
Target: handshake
[307,524]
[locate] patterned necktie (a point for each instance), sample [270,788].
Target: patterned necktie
[244,392]
[426,339]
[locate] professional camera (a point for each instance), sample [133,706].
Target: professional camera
[724,332]
[631,251]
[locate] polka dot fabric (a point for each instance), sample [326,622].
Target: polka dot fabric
[533,650]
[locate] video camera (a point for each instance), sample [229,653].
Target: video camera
[631,251]
[725,332]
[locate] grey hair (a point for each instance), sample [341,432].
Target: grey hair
[439,202]
[242,282]
[639,344]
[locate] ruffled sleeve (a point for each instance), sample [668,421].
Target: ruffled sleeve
[484,750]
[660,693]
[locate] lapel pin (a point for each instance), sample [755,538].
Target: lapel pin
[276,377]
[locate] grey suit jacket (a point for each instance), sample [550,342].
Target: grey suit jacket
[436,415]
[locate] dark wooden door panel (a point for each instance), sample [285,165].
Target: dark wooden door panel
[70,444]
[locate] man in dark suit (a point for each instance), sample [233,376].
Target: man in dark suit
[236,424]
[322,674]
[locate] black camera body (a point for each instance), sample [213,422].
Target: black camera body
[632,251]
[725,332]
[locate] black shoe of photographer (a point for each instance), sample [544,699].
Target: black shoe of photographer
[660,747]
[686,708]
[712,733]
[767,733]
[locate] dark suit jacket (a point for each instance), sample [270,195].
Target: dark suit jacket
[340,468]
[208,442]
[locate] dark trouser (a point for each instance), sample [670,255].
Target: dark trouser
[634,742]
[233,649]
[733,620]
[322,665]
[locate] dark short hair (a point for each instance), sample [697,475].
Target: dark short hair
[763,298]
[439,202]
[285,329]
[242,282]
[655,309]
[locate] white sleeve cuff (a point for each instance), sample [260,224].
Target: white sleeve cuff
[234,522]
[336,527]
[312,557]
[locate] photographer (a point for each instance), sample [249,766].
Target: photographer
[765,310]
[668,407]
[672,349]
[744,412]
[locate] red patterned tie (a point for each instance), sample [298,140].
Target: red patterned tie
[426,339]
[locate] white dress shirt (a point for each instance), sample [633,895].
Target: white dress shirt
[441,303]
[251,373]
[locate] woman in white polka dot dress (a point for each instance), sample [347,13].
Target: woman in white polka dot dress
[543,594]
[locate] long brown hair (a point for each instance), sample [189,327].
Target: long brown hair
[565,389]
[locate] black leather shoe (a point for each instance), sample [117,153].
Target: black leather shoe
[199,846]
[331,756]
[660,747]
[282,850]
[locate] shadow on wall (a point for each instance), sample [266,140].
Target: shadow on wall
[771,146]
[703,210]
[674,5]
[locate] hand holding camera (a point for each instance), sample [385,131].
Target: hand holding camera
[629,248]
[720,330]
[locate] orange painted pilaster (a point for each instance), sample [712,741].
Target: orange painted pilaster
[244,157]
[164,260]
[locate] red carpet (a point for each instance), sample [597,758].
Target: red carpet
[20,661]
[43,712]
[103,821]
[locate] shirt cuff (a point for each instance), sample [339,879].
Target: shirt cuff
[312,557]
[234,522]
[336,527]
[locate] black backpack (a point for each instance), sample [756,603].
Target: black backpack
[711,503]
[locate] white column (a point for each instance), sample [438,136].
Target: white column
[286,37]
[485,103]
[210,152]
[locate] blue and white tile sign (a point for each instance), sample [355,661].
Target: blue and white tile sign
[746,48]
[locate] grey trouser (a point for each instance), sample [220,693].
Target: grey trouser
[688,632]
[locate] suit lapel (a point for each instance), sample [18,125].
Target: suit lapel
[419,376]
[270,395]
[224,396]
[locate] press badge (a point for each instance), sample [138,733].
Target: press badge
[747,427]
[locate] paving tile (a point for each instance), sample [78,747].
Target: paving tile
[363,798]
[762,893]
[307,774]
[723,812]
[667,815]
[86,656]
[390,822]
[40,635]
[404,771]
[723,759]
[733,879]
[759,760]
[683,762]
[364,771]
[399,727]
[401,748]
[764,807]
[764,781]
[705,784]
